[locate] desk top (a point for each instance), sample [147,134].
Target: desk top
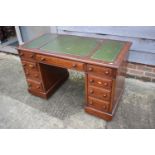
[93,49]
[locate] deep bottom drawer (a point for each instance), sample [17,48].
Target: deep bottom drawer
[98,104]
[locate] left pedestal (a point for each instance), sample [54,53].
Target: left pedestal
[42,79]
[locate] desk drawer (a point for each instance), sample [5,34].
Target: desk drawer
[99,82]
[26,55]
[32,75]
[99,70]
[98,104]
[35,85]
[30,65]
[99,93]
[60,62]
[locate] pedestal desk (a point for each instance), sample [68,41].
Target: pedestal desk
[46,59]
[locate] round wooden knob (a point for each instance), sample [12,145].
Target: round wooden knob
[106,72]
[42,59]
[91,80]
[91,91]
[105,84]
[99,82]
[31,66]
[104,95]
[74,65]
[90,68]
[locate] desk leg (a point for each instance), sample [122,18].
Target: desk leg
[51,78]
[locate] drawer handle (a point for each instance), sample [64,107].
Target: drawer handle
[31,66]
[90,68]
[99,82]
[42,59]
[29,84]
[104,95]
[106,72]
[91,91]
[74,65]
[91,80]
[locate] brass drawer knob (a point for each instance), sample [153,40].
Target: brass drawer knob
[74,65]
[106,72]
[42,59]
[90,68]
[91,80]
[31,66]
[91,91]
[99,82]
[29,84]
[104,95]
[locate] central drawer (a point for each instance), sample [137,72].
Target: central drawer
[61,62]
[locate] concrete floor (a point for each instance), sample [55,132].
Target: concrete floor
[19,109]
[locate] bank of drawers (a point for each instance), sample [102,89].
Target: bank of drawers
[32,75]
[99,87]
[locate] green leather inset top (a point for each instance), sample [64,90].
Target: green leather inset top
[108,51]
[36,43]
[78,46]
[74,45]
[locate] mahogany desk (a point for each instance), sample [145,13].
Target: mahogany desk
[46,59]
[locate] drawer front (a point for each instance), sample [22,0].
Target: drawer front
[99,70]
[26,55]
[35,85]
[61,62]
[98,104]
[30,65]
[99,82]
[99,93]
[32,75]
